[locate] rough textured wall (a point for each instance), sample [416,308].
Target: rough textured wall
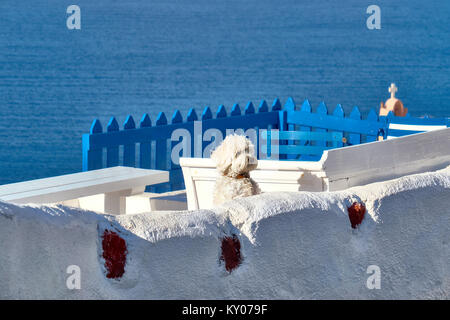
[291,246]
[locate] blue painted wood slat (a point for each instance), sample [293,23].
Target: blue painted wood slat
[129,149]
[145,147]
[322,112]
[161,151]
[92,153]
[175,180]
[373,118]
[354,138]
[339,113]
[112,152]
[306,107]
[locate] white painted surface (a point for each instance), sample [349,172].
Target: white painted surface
[296,245]
[147,202]
[409,128]
[338,169]
[387,159]
[414,127]
[112,184]
[200,176]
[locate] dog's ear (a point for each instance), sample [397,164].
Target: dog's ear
[222,158]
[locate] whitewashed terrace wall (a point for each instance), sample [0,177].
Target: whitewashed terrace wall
[295,245]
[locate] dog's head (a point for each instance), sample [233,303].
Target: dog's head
[235,156]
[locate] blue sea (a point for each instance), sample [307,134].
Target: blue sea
[146,56]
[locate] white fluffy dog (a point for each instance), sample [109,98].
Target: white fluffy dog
[234,159]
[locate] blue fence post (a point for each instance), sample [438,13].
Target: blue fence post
[282,123]
[112,152]
[175,175]
[263,107]
[206,115]
[387,120]
[145,148]
[92,156]
[322,110]
[249,108]
[129,150]
[372,116]
[191,118]
[192,115]
[354,138]
[282,126]
[278,125]
[338,112]
[161,150]
[289,106]
[235,110]
[222,113]
[306,107]
[276,105]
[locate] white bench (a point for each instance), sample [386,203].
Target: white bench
[103,190]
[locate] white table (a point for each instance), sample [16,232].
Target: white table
[115,183]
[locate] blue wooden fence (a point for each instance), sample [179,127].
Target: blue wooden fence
[150,146]
[154,141]
[354,129]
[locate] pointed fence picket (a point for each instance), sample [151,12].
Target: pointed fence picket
[322,112]
[354,138]
[339,113]
[145,148]
[129,149]
[306,107]
[92,153]
[112,152]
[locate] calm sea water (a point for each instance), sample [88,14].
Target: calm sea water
[138,56]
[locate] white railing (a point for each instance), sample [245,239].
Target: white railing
[338,169]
